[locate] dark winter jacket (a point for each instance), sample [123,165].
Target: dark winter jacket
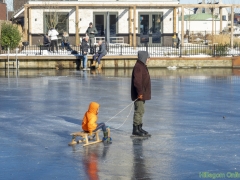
[102,49]
[141,83]
[65,39]
[46,40]
[90,30]
[84,46]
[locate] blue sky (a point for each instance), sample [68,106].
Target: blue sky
[9,4]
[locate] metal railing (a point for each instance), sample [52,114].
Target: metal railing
[40,50]
[114,40]
[178,51]
[153,50]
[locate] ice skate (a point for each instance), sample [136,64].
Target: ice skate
[143,131]
[107,138]
[137,133]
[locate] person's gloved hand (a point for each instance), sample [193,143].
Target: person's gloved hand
[140,97]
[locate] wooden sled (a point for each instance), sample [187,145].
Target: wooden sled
[85,138]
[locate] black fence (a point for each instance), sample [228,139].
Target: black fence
[124,49]
[40,50]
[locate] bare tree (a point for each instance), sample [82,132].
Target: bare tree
[51,15]
[54,18]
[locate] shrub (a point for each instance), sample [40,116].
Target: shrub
[10,36]
[221,49]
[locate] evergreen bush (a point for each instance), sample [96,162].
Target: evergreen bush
[10,36]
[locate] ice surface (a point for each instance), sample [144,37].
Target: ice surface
[193,118]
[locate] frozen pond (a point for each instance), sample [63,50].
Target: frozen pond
[193,118]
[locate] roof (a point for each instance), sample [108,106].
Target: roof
[198,17]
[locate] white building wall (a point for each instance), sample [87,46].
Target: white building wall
[86,16]
[72,22]
[197,26]
[37,20]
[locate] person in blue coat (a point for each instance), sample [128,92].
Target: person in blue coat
[98,56]
[85,47]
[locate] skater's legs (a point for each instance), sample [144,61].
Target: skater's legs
[138,112]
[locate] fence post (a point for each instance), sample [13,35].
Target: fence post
[180,50]
[146,45]
[40,49]
[214,53]
[121,50]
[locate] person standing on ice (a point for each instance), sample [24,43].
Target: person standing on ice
[140,92]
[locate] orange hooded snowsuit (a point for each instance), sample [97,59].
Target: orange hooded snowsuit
[90,118]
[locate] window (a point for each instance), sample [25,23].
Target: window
[58,20]
[100,24]
[150,27]
[100,21]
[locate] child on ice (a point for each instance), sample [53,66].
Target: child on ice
[89,123]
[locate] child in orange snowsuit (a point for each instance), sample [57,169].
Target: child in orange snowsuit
[89,123]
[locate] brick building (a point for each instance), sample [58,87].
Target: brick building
[17,4]
[3,10]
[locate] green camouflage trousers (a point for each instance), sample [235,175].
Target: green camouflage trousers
[138,112]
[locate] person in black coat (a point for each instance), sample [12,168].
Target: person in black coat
[85,47]
[101,52]
[91,32]
[140,91]
[46,41]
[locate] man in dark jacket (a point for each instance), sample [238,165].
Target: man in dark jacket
[101,52]
[91,32]
[85,47]
[46,41]
[140,91]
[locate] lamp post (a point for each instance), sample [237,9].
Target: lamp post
[178,21]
